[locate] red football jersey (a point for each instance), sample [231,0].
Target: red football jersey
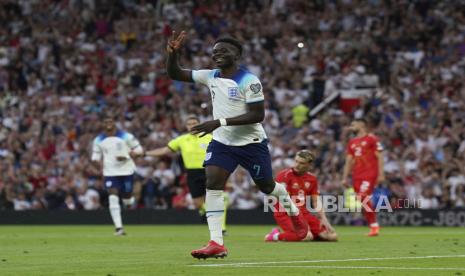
[363,150]
[298,186]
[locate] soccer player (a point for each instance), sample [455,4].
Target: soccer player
[301,185]
[364,158]
[238,136]
[193,149]
[113,150]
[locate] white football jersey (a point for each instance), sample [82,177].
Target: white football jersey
[110,147]
[229,99]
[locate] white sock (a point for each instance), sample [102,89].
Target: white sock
[128,202]
[284,199]
[214,203]
[374,224]
[115,210]
[276,236]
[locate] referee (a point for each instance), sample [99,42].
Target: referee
[193,149]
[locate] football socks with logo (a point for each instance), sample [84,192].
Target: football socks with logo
[115,210]
[226,203]
[128,202]
[285,201]
[214,202]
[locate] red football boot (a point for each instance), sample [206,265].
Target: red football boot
[374,231]
[211,250]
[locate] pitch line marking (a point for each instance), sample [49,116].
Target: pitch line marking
[330,261]
[356,267]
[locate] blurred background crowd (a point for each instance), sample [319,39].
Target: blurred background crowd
[63,62]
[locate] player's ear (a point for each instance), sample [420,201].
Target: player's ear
[237,55]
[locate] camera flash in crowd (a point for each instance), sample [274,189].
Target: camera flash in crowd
[300,44]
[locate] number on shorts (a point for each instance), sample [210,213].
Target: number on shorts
[257,169]
[364,186]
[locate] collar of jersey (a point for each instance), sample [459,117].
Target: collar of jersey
[119,133]
[240,73]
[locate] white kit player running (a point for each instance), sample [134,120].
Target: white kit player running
[113,150]
[238,136]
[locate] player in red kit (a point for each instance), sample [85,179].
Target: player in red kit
[301,185]
[365,160]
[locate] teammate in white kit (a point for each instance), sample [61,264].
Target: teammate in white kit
[238,136]
[113,150]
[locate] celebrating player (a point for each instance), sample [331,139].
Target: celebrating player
[116,148]
[193,149]
[364,158]
[238,136]
[301,184]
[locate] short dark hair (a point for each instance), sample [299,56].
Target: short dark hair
[374,120]
[231,40]
[307,155]
[192,117]
[361,120]
[107,115]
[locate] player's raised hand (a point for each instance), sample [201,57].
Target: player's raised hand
[175,43]
[206,127]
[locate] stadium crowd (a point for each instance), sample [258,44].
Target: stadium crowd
[62,63]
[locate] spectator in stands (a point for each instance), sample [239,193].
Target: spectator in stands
[56,78]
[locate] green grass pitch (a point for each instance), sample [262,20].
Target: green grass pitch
[165,250]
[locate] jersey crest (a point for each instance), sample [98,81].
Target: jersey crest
[307,185]
[233,92]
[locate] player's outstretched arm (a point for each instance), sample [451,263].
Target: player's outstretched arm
[317,205]
[175,72]
[158,152]
[255,114]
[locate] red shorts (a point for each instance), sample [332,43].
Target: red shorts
[314,223]
[364,186]
[285,222]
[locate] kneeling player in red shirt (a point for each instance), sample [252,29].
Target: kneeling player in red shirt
[301,184]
